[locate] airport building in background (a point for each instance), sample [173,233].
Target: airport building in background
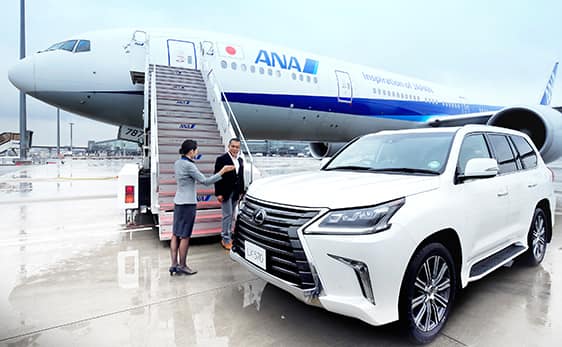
[113,148]
[279,148]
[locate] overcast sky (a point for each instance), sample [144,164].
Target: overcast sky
[497,52]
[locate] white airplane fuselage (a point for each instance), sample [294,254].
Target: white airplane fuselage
[275,92]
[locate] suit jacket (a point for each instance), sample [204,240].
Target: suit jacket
[231,182]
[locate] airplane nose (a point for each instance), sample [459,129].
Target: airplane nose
[22,75]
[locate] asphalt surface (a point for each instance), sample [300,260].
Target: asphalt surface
[72,276]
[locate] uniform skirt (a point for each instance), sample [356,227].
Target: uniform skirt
[184,218]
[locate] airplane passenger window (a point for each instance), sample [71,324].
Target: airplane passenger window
[294,76]
[301,78]
[315,79]
[243,67]
[252,68]
[224,64]
[262,70]
[278,73]
[270,72]
[68,45]
[83,46]
[233,65]
[308,78]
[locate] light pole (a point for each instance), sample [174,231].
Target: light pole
[71,124]
[23,118]
[58,132]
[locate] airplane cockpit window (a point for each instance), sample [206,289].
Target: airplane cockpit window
[83,46]
[70,46]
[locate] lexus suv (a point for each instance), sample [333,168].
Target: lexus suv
[396,222]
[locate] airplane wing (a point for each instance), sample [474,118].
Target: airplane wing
[460,120]
[482,117]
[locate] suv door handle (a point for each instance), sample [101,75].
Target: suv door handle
[503,194]
[532,185]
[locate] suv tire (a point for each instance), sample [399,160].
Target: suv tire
[428,292]
[536,238]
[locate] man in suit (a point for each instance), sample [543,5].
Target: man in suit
[229,189]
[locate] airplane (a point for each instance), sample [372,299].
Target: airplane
[275,92]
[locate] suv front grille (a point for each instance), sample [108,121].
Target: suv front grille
[277,234]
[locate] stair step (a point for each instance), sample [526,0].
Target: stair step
[169,199]
[170,143]
[167,95]
[183,108]
[170,189]
[168,173]
[203,205]
[180,87]
[172,93]
[202,215]
[186,114]
[169,155]
[183,102]
[191,133]
[168,167]
[188,126]
[205,150]
[179,70]
[163,69]
[182,80]
[191,119]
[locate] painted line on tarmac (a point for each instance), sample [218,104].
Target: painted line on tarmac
[62,198]
[69,235]
[453,339]
[108,314]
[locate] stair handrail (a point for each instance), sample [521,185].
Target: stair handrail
[154,154]
[231,121]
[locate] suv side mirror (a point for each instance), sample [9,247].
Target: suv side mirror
[480,168]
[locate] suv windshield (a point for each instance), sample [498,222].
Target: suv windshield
[412,153]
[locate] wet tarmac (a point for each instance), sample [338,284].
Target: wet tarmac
[71,276]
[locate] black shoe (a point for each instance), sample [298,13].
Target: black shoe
[173,270]
[186,270]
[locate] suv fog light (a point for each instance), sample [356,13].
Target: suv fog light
[362,273]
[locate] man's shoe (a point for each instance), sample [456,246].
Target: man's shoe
[226,245]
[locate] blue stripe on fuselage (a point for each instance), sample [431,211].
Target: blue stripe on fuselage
[409,110]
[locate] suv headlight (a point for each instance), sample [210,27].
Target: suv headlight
[366,220]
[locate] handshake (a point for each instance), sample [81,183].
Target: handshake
[226,168]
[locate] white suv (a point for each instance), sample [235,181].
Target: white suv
[397,221]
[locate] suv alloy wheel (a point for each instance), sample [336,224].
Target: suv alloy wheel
[428,292]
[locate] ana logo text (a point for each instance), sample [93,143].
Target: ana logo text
[281,61]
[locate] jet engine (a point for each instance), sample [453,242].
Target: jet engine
[321,150]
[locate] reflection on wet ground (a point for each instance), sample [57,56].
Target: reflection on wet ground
[71,276]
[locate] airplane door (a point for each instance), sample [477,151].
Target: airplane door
[182,54]
[345,90]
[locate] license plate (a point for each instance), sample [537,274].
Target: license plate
[255,254]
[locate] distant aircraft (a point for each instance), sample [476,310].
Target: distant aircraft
[275,92]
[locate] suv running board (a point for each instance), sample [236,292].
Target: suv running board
[495,260]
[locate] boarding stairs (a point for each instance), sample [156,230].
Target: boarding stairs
[183,112]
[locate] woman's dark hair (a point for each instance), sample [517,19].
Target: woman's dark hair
[187,146]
